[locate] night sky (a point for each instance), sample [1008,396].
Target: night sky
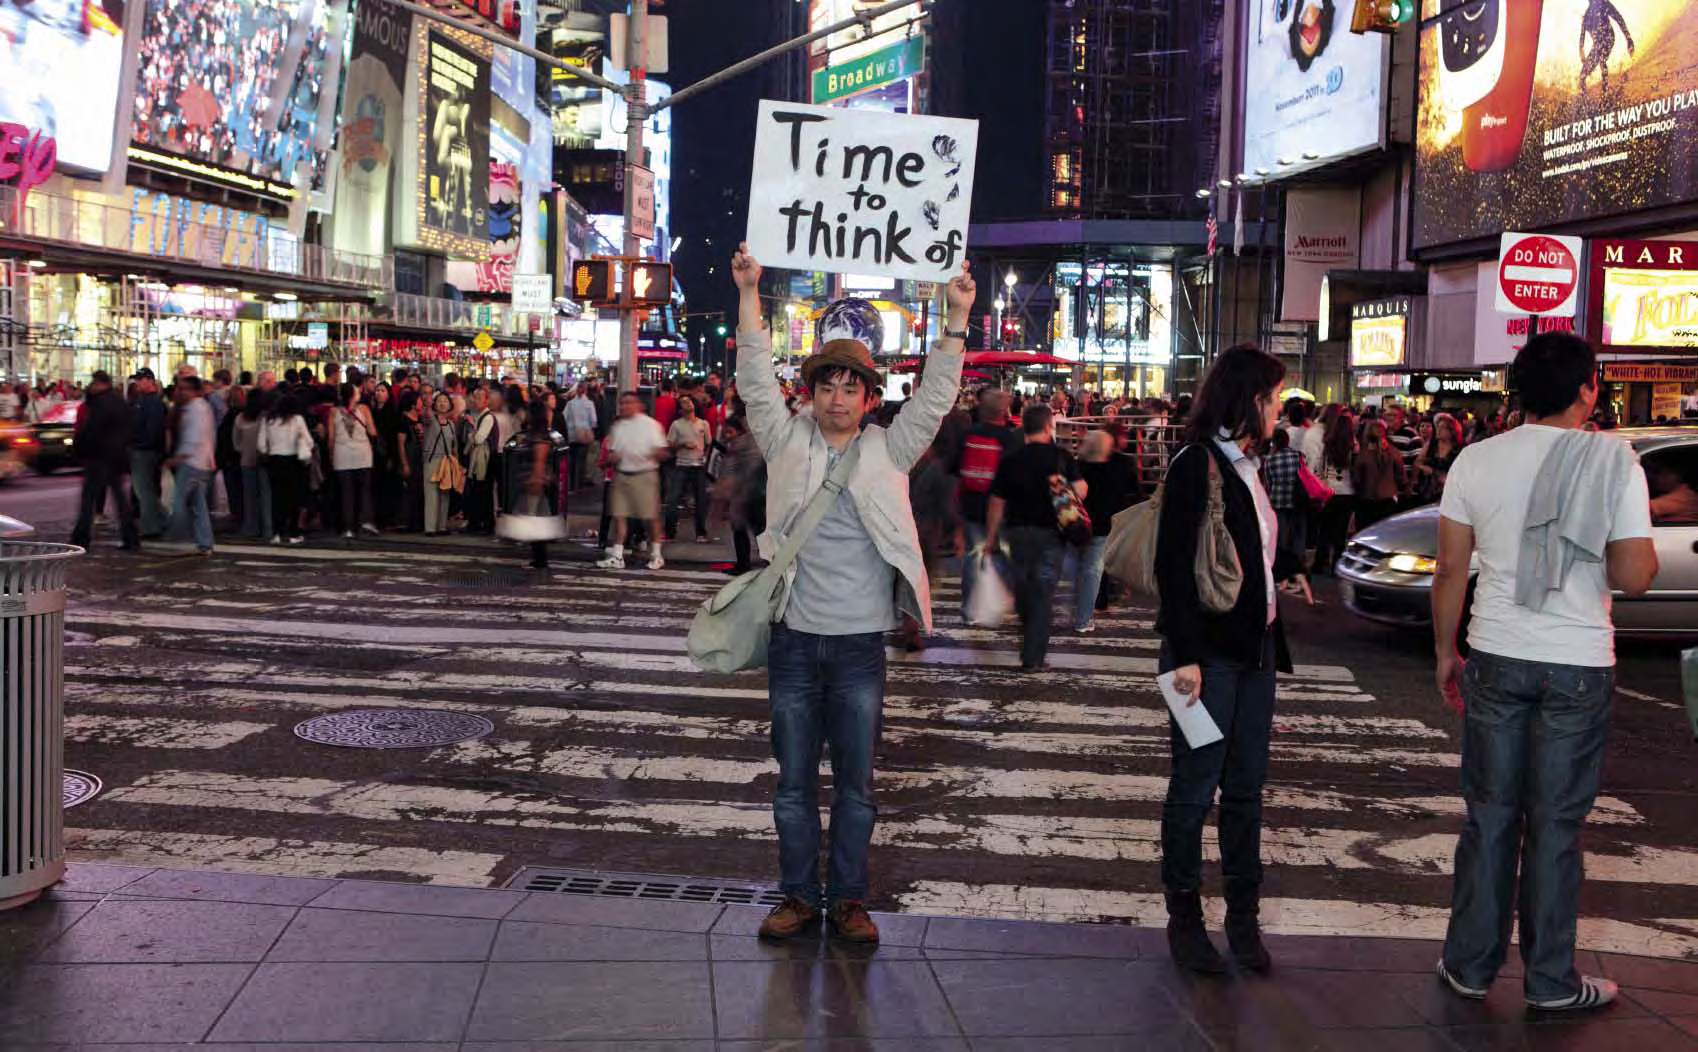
[985,68]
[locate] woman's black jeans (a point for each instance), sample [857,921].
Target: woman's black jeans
[1240,697]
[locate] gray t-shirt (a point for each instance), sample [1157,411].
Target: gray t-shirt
[843,585]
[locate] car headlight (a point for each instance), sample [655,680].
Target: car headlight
[1404,563]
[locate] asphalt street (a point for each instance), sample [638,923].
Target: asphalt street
[1001,795]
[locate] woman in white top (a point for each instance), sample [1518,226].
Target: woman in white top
[286,447]
[351,432]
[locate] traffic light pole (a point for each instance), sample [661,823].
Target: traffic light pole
[636,120]
[639,110]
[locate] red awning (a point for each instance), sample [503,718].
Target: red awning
[1015,359]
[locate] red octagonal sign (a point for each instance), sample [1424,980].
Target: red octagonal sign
[1538,274]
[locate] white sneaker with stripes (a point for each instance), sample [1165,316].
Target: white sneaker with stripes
[1594,993]
[1473,993]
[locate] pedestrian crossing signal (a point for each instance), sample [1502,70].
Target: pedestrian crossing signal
[649,284]
[592,282]
[1381,16]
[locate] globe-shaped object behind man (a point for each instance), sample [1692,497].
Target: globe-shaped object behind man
[851,319]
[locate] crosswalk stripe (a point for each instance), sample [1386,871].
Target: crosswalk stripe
[279,857]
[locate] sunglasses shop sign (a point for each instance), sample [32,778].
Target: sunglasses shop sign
[861,191]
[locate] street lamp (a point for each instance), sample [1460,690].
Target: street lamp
[1010,280]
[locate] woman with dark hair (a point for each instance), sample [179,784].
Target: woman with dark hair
[256,481]
[1225,661]
[1433,463]
[351,431]
[385,480]
[536,514]
[409,460]
[1337,458]
[440,446]
[287,448]
[1377,476]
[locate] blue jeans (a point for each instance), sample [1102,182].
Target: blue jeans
[256,502]
[1240,698]
[826,691]
[144,481]
[1532,754]
[1088,581]
[189,506]
[1035,554]
[973,535]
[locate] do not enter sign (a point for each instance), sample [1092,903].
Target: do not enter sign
[1539,274]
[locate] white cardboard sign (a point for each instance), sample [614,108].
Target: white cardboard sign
[861,191]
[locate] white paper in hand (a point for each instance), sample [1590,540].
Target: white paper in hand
[1194,721]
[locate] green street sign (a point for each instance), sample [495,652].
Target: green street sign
[873,71]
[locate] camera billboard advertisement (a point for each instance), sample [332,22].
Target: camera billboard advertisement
[456,147]
[61,63]
[239,85]
[1540,112]
[1315,91]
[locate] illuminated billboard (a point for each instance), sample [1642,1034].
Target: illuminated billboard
[373,135]
[452,207]
[1315,92]
[1644,294]
[59,68]
[1540,112]
[241,86]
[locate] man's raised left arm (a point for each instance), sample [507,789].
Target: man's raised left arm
[917,424]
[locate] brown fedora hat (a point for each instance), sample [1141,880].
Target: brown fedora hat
[842,354]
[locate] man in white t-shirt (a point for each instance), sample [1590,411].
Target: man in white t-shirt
[635,446]
[1541,671]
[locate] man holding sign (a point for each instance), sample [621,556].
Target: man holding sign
[858,572]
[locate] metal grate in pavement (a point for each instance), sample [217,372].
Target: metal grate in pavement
[643,886]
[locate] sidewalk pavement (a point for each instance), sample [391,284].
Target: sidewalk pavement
[136,958]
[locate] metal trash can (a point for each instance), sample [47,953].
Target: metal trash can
[32,717]
[1689,686]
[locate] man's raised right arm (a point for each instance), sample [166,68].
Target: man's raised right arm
[756,382]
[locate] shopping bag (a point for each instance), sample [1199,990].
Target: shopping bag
[1318,492]
[990,603]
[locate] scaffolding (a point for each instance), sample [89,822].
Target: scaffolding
[1124,80]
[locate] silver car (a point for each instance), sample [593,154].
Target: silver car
[14,530]
[1386,573]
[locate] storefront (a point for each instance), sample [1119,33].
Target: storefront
[1482,391]
[1381,334]
[1652,392]
[1643,303]
[1114,321]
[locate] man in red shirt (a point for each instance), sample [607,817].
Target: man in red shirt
[666,404]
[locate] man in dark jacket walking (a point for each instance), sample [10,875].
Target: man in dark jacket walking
[102,447]
[147,451]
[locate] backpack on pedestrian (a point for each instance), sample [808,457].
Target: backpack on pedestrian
[980,455]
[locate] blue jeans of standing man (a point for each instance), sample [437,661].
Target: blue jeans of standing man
[1034,558]
[1088,581]
[1240,699]
[1532,754]
[189,507]
[144,481]
[827,692]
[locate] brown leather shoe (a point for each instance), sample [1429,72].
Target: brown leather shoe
[789,918]
[851,922]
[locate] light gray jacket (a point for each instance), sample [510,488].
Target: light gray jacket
[795,453]
[1570,512]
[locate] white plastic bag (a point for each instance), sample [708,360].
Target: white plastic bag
[990,603]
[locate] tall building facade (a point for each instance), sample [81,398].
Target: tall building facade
[1088,231]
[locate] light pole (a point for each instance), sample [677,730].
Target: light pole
[1009,280]
[1000,304]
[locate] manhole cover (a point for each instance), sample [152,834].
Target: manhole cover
[393,728]
[80,788]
